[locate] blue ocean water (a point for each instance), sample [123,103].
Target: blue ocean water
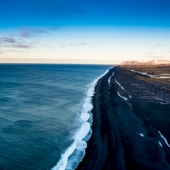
[40,110]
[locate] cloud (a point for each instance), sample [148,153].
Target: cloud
[39,31]
[27,32]
[159,45]
[18,51]
[156,57]
[82,44]
[41,12]
[156,51]
[79,44]
[148,53]
[21,45]
[16,43]
[54,27]
[7,40]
[54,9]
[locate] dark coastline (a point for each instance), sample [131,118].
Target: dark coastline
[116,142]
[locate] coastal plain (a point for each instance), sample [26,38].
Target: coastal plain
[131,122]
[158,73]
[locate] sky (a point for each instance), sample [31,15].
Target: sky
[84,31]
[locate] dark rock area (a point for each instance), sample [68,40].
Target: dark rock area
[127,116]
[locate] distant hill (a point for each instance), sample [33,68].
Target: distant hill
[147,63]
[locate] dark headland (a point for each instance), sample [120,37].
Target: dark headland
[131,123]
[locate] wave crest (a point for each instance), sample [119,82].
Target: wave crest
[79,144]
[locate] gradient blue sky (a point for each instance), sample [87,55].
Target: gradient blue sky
[84,31]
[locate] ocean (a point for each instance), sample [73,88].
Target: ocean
[45,114]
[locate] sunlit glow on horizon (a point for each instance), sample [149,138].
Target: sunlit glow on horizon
[89,31]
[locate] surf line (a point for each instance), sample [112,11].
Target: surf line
[109,80]
[120,85]
[83,131]
[123,90]
[164,139]
[121,96]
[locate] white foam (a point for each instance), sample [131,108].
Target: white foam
[121,96]
[83,131]
[140,134]
[87,106]
[143,73]
[109,80]
[162,77]
[85,116]
[164,139]
[160,143]
[122,89]
[165,74]
[119,84]
[61,165]
[79,143]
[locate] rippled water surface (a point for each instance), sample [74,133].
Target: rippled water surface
[40,107]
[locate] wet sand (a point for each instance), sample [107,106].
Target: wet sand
[125,125]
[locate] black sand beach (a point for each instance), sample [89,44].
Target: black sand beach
[127,115]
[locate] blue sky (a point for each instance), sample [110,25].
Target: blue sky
[51,30]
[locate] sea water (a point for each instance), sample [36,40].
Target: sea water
[45,116]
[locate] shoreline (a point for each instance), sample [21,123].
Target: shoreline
[121,138]
[79,143]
